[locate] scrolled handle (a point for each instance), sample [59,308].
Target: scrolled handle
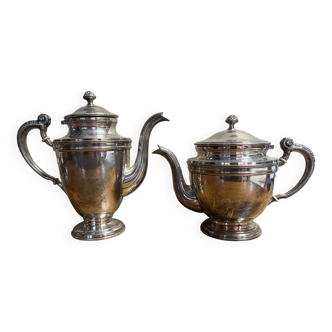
[288,146]
[42,124]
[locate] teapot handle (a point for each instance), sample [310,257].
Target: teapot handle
[42,124]
[288,146]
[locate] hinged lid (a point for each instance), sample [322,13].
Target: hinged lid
[231,136]
[90,109]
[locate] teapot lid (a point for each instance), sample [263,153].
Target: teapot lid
[231,136]
[91,110]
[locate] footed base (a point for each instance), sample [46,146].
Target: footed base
[241,231]
[98,231]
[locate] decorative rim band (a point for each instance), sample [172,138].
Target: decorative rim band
[47,137]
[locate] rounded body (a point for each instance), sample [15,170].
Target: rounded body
[232,198]
[233,184]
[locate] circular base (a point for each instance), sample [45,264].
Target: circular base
[102,231]
[222,231]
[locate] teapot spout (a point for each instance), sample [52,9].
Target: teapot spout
[134,175]
[184,193]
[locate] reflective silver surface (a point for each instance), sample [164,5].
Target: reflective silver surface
[92,180]
[232,180]
[94,164]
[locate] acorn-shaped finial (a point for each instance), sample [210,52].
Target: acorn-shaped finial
[232,120]
[89,96]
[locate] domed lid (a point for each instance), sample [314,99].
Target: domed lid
[234,149]
[231,136]
[91,110]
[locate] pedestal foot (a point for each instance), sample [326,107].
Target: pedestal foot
[241,231]
[99,231]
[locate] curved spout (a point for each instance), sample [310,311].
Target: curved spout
[184,193]
[134,175]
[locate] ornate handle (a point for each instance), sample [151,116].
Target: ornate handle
[42,124]
[288,146]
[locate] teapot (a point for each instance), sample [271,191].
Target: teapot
[232,180]
[94,165]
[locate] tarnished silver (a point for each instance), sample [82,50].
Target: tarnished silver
[94,164]
[232,179]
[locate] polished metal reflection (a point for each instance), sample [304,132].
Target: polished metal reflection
[92,180]
[232,180]
[244,198]
[94,164]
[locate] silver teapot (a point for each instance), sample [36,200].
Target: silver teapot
[94,165]
[232,179]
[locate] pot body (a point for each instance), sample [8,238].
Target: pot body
[233,197]
[92,161]
[93,181]
[233,184]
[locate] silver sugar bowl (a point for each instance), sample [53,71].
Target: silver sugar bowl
[232,179]
[94,165]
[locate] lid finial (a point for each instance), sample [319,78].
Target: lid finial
[231,120]
[90,97]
